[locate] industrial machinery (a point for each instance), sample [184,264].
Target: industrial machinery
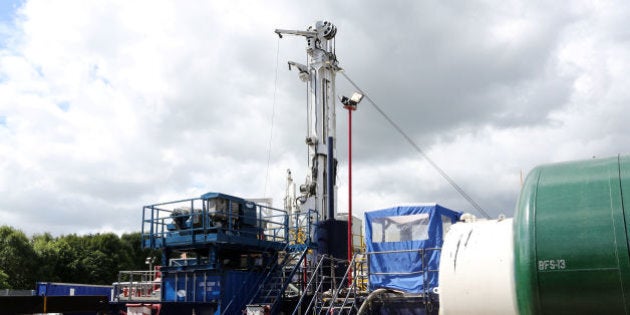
[565,251]
[219,253]
[223,254]
[318,191]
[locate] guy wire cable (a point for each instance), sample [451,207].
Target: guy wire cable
[273,114]
[415,146]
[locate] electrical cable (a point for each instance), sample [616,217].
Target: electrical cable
[273,114]
[424,154]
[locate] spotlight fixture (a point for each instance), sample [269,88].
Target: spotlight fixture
[351,103]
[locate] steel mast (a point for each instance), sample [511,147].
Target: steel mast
[317,193]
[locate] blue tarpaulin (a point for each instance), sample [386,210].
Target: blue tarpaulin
[403,246]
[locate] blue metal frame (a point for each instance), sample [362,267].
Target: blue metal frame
[305,223]
[242,223]
[215,225]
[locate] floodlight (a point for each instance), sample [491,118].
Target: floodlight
[352,102]
[356,97]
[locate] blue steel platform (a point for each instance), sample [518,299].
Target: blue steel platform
[201,239]
[214,218]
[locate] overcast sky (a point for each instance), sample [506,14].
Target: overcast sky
[109,106]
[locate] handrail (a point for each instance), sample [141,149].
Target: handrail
[344,279]
[360,272]
[310,281]
[422,251]
[308,308]
[272,269]
[286,283]
[257,286]
[352,266]
[424,268]
[272,222]
[139,286]
[402,251]
[303,222]
[227,307]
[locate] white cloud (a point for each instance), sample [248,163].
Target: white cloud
[106,107]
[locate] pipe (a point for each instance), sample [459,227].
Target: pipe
[372,296]
[295,289]
[329,180]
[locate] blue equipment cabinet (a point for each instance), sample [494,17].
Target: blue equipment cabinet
[216,250]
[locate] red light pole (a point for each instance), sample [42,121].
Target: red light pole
[351,105]
[350,110]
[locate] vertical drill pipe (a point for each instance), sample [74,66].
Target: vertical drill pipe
[329,178]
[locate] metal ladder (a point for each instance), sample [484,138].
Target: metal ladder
[274,285]
[313,286]
[344,298]
[251,292]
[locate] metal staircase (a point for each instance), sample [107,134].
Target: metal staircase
[312,288]
[343,298]
[233,308]
[338,299]
[279,277]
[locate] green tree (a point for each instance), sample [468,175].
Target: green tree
[93,259]
[138,254]
[4,280]
[110,253]
[45,247]
[68,262]
[98,268]
[17,258]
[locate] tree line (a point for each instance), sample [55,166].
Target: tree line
[90,259]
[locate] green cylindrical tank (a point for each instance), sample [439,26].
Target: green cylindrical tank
[571,239]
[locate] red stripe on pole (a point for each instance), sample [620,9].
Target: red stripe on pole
[349,193]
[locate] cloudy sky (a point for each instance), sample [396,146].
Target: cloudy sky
[109,106]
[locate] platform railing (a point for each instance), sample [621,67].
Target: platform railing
[137,286]
[314,285]
[302,226]
[322,276]
[190,217]
[350,287]
[278,285]
[359,271]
